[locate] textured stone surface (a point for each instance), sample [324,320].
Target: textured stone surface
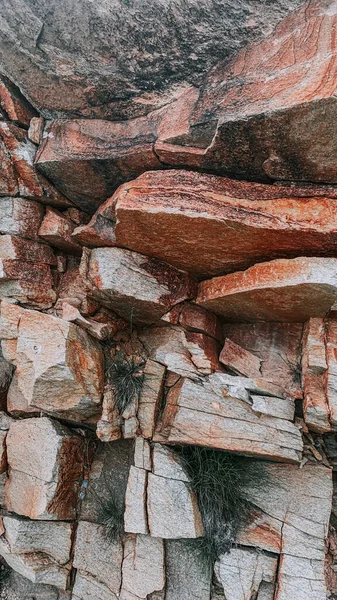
[278,346]
[243,571]
[44,472]
[210,225]
[150,397]
[105,71]
[223,418]
[172,509]
[58,366]
[135,516]
[56,230]
[239,360]
[138,288]
[19,216]
[314,366]
[280,290]
[143,567]
[97,557]
[13,104]
[187,575]
[37,550]
[186,353]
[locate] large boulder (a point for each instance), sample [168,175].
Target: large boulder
[117,59]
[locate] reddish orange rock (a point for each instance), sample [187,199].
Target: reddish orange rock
[239,360]
[209,225]
[29,183]
[279,290]
[274,101]
[13,104]
[56,229]
[89,158]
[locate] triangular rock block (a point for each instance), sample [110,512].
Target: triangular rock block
[219,412]
[279,290]
[209,225]
[137,287]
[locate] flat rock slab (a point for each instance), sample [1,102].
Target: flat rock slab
[218,413]
[280,290]
[209,225]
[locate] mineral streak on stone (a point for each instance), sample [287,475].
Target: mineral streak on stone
[45,471]
[225,419]
[59,367]
[210,225]
[139,288]
[280,290]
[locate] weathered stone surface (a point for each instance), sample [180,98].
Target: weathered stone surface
[59,368]
[38,550]
[239,360]
[5,421]
[135,516]
[150,397]
[278,346]
[166,463]
[172,509]
[29,182]
[88,588]
[142,454]
[314,366]
[98,330]
[222,417]
[194,318]
[108,480]
[29,283]
[20,588]
[35,130]
[19,216]
[187,575]
[143,567]
[44,472]
[6,373]
[109,427]
[98,75]
[280,290]
[13,247]
[301,500]
[88,159]
[273,102]
[330,379]
[56,230]
[13,104]
[242,571]
[97,557]
[209,225]
[186,353]
[136,287]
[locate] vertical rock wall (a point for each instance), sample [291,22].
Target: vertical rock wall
[151,305]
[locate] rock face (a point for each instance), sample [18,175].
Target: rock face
[282,290]
[121,78]
[168,278]
[50,370]
[210,225]
[225,418]
[138,288]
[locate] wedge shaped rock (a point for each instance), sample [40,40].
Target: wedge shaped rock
[210,225]
[137,287]
[38,550]
[280,290]
[45,471]
[217,413]
[59,367]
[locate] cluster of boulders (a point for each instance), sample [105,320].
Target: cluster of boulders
[220,294]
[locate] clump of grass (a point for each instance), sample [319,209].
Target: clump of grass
[126,377]
[112,517]
[219,480]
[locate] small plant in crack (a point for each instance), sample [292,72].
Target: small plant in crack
[220,480]
[112,517]
[125,376]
